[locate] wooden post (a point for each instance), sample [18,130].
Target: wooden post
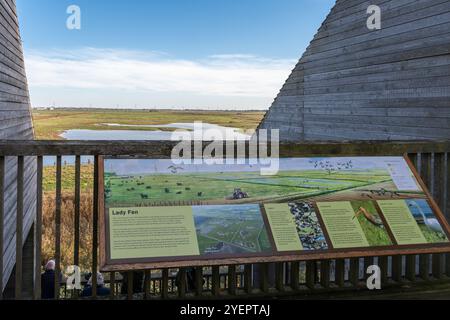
[95,225]
[232,280]
[248,281]
[279,276]
[354,272]
[264,277]
[215,287]
[147,283]
[38,229]
[325,273]
[411,267]
[182,285]
[198,278]
[437,266]
[58,226]
[130,286]
[397,268]
[165,284]
[295,275]
[424,266]
[19,228]
[310,274]
[76,242]
[383,264]
[339,273]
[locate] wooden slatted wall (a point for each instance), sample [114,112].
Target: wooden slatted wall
[15,124]
[352,83]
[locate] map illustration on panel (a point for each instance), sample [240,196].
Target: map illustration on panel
[134,182]
[230,229]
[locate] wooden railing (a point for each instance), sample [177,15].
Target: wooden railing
[283,278]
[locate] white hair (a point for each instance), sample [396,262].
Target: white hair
[100,280]
[51,264]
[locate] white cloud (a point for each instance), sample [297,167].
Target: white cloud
[149,74]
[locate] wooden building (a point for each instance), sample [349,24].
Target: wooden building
[356,83]
[15,124]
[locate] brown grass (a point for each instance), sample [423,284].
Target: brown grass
[67,229]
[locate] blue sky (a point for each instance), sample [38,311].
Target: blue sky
[165,54]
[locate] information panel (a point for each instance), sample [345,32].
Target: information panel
[155,212]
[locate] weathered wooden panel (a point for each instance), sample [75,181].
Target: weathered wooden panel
[386,84]
[15,124]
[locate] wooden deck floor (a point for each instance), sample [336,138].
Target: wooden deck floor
[418,291]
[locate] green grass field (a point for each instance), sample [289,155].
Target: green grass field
[49,124]
[151,189]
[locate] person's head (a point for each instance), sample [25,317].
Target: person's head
[100,280]
[50,265]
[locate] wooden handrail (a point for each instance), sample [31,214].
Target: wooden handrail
[164,148]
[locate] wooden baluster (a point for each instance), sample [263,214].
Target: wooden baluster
[279,276]
[325,273]
[295,275]
[411,267]
[130,287]
[384,266]
[232,280]
[95,225]
[215,287]
[248,278]
[182,285]
[58,225]
[424,266]
[437,266]
[147,284]
[76,249]
[198,278]
[340,273]
[264,277]
[368,261]
[354,272]
[397,268]
[164,284]
[37,230]
[310,274]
